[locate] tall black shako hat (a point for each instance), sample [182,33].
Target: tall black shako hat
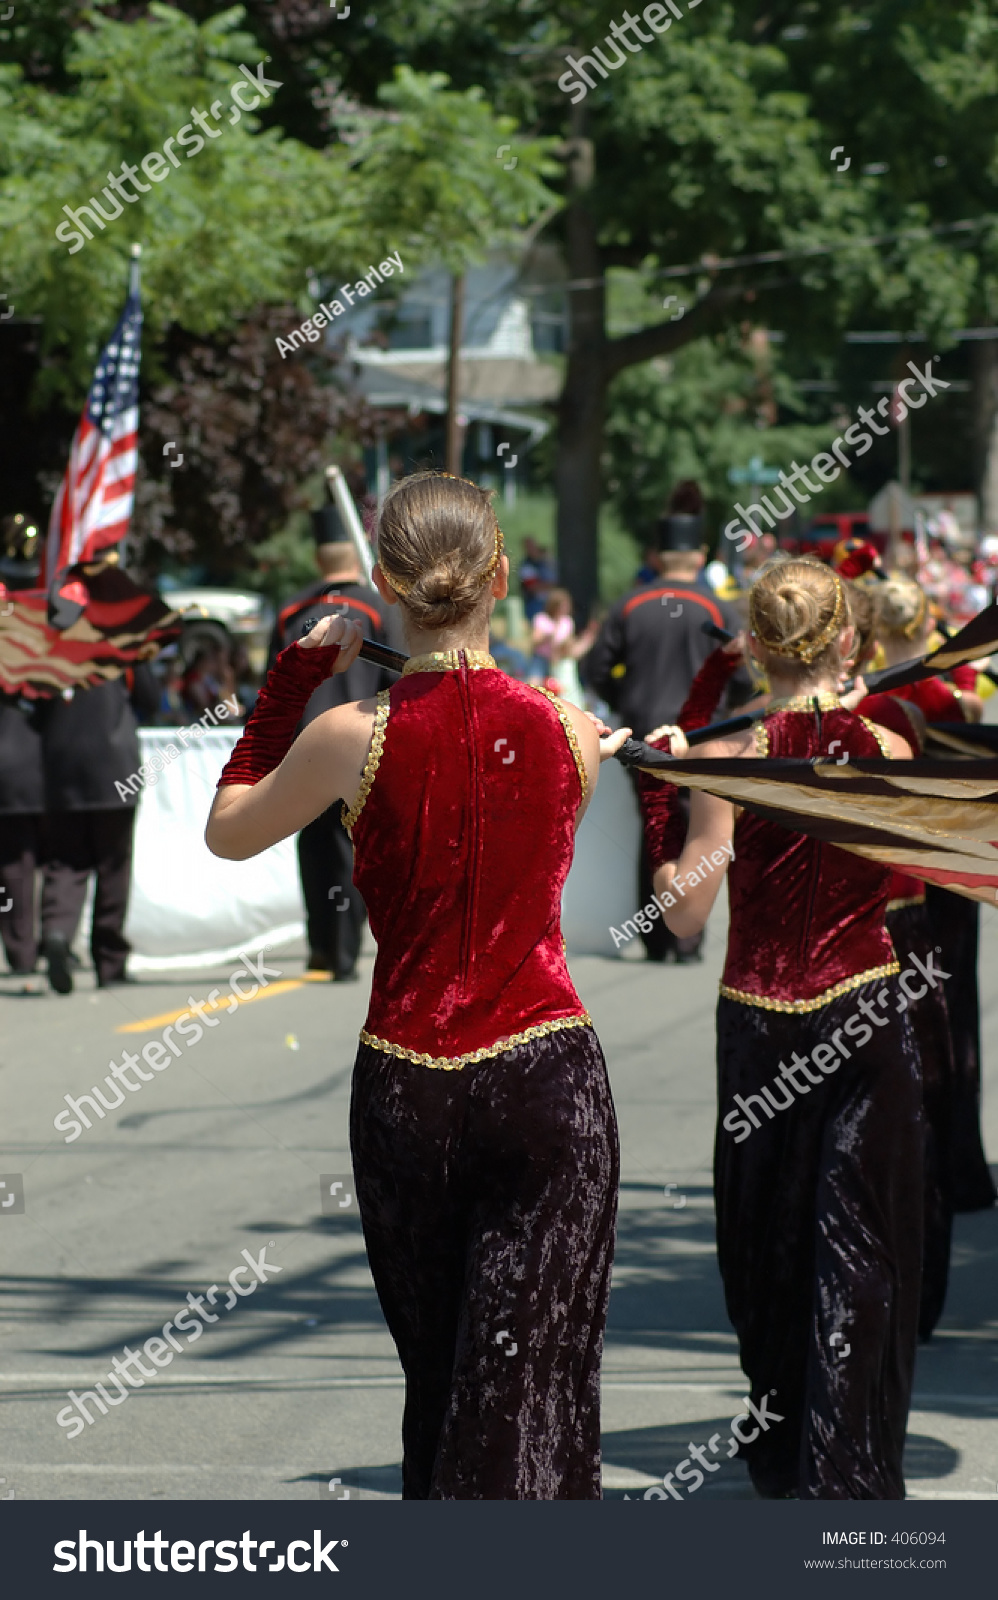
[328,526]
[681,525]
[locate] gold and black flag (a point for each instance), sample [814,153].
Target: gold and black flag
[936,820]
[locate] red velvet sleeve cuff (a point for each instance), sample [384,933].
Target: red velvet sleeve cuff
[661,815]
[706,690]
[270,731]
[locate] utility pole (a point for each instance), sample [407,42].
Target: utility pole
[455,430]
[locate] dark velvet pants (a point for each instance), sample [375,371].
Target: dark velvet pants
[909,930]
[955,925]
[19,851]
[335,913]
[819,1230]
[78,843]
[488,1197]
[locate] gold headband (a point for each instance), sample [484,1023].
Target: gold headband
[805,649]
[403,586]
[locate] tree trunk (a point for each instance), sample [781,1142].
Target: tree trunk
[582,407]
[984,373]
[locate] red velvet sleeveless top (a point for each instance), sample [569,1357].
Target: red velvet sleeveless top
[807,919]
[463,835]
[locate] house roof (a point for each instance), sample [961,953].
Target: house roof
[420,378]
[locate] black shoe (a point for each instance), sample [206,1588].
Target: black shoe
[350,975]
[55,948]
[113,983]
[317,962]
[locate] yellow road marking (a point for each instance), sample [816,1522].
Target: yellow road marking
[225,1004]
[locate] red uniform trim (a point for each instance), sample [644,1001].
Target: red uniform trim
[321,600]
[679,594]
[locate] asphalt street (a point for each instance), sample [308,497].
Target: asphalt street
[296,1387]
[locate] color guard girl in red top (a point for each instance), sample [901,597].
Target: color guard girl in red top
[818,1155]
[482,1129]
[904,627]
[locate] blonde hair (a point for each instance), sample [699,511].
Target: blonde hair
[439,544]
[797,609]
[862,607]
[902,608]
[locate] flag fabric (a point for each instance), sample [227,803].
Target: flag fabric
[111,623]
[935,820]
[88,621]
[93,507]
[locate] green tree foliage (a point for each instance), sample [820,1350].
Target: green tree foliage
[240,220]
[230,238]
[709,145]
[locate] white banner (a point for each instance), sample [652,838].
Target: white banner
[189,909]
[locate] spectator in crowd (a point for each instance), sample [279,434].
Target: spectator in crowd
[649,650]
[208,680]
[335,912]
[89,746]
[245,689]
[536,575]
[557,648]
[21,786]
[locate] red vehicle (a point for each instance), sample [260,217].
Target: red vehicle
[823,533]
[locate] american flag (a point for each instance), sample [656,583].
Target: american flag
[94,504]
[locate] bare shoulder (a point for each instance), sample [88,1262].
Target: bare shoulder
[348,727]
[733,748]
[342,719]
[585,731]
[899,748]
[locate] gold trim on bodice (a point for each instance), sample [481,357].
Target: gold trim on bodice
[350,814]
[880,736]
[540,1030]
[570,735]
[827,701]
[856,982]
[449,661]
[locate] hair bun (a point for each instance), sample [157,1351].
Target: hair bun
[798,609]
[439,544]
